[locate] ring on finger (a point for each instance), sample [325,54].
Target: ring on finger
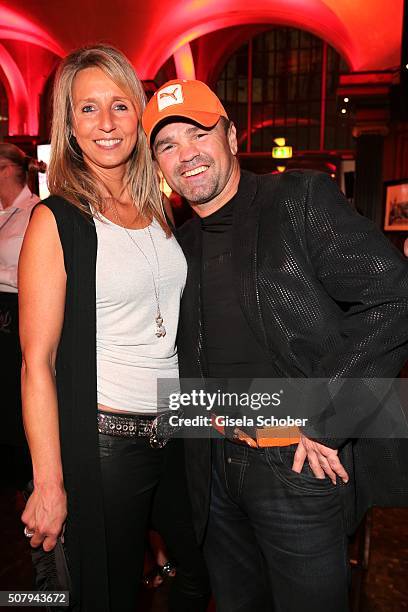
[27,533]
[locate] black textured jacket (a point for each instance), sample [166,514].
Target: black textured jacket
[326,293]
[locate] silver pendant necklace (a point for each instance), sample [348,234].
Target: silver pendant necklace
[160,329]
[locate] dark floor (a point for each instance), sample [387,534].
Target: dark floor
[384,585]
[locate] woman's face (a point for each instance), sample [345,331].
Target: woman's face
[104,122]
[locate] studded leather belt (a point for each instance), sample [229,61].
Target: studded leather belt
[132,426]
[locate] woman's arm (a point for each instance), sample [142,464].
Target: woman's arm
[41,283]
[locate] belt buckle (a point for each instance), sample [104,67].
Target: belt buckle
[145,428]
[161,431]
[240,437]
[154,440]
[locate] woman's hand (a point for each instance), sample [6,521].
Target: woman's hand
[45,514]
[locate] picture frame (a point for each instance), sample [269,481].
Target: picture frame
[396,206]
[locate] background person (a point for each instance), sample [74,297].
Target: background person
[16,204]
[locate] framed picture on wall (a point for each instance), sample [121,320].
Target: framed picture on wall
[396,206]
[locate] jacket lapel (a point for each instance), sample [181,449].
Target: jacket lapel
[190,330]
[244,252]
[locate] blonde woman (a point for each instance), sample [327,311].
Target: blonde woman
[101,277]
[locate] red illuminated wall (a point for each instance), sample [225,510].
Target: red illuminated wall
[27,54]
[35,33]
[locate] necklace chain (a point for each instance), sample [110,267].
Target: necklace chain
[160,329]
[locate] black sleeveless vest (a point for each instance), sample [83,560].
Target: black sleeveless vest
[77,405]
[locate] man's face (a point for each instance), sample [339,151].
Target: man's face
[196,162]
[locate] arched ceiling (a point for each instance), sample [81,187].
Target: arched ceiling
[35,33]
[366,32]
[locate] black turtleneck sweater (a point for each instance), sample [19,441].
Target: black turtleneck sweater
[232,350]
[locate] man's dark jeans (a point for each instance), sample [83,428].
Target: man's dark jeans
[275,539]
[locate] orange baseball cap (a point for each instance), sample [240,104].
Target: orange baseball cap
[181,98]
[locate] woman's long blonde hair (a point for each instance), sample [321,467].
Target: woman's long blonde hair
[68,175]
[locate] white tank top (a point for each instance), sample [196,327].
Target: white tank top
[130,358]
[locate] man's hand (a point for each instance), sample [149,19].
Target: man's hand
[323,460]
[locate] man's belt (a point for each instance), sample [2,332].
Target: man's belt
[264,436]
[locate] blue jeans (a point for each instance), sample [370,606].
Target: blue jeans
[275,539]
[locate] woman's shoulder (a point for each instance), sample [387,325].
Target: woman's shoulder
[63,210]
[58,204]
[71,221]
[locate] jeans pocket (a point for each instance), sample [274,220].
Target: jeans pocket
[280,459]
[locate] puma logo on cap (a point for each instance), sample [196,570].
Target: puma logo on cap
[169,96]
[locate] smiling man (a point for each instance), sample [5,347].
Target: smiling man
[285,280]
[210,178]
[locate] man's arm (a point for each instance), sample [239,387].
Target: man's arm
[359,268]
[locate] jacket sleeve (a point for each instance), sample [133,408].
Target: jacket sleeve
[360,269]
